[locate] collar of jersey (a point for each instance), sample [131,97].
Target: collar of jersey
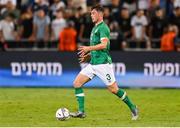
[99,23]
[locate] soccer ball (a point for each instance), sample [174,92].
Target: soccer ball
[62,114]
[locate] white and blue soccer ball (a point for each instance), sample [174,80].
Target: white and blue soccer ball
[62,114]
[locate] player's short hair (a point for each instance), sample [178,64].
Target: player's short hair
[98,8]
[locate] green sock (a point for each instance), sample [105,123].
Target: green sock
[122,94]
[80,98]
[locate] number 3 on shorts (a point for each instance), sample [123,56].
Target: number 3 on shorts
[108,77]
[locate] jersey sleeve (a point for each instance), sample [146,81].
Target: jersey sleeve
[104,33]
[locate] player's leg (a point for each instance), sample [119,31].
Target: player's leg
[78,83]
[123,96]
[83,77]
[106,74]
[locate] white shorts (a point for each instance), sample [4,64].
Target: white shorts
[103,71]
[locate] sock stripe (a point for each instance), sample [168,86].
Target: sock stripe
[123,97]
[80,94]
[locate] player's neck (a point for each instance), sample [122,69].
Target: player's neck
[100,21]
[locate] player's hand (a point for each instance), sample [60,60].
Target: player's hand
[83,50]
[84,58]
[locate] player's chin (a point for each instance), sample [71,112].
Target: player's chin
[93,20]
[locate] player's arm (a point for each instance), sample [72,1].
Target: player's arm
[85,49]
[101,46]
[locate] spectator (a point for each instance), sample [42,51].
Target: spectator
[115,36]
[176,3]
[3,44]
[10,8]
[169,8]
[105,2]
[157,26]
[41,24]
[80,3]
[143,4]
[4,2]
[25,3]
[85,29]
[107,16]
[57,25]
[125,26]
[92,2]
[57,4]
[114,7]
[168,39]
[68,38]
[175,19]
[139,23]
[153,5]
[7,28]
[71,5]
[116,11]
[26,23]
[26,27]
[41,4]
[129,4]
[77,19]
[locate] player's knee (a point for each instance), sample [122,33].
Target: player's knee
[112,90]
[77,84]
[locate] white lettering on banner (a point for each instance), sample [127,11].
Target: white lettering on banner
[40,68]
[119,68]
[16,69]
[161,69]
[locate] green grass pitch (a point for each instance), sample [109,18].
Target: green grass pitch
[37,107]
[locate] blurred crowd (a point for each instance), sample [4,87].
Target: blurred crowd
[65,24]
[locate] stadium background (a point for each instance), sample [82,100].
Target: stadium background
[141,41]
[42,63]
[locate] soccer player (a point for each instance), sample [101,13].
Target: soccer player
[100,64]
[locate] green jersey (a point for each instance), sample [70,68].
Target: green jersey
[99,32]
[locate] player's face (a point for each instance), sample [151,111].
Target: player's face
[94,16]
